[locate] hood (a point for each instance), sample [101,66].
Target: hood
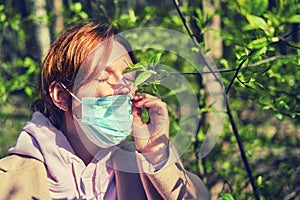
[68,176]
[39,139]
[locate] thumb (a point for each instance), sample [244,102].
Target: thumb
[136,112]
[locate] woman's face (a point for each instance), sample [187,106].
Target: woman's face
[103,74]
[107,78]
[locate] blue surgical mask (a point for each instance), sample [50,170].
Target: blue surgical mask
[106,121]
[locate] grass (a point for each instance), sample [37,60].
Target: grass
[13,115]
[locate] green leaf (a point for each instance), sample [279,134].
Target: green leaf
[142,77]
[29,91]
[259,6]
[259,181]
[283,104]
[227,196]
[2,17]
[258,52]
[258,43]
[243,57]
[144,115]
[294,19]
[155,60]
[279,116]
[76,7]
[129,64]
[154,86]
[257,22]
[293,115]
[2,7]
[254,7]
[196,49]
[140,66]
[4,98]
[128,70]
[83,15]
[132,15]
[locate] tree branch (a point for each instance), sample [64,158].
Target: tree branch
[242,151]
[176,3]
[272,59]
[291,33]
[237,72]
[232,122]
[210,72]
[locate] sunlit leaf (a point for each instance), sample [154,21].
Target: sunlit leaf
[155,60]
[279,116]
[257,22]
[254,7]
[76,7]
[128,70]
[227,196]
[132,15]
[2,17]
[294,19]
[258,43]
[243,57]
[142,77]
[2,7]
[258,52]
[29,91]
[259,181]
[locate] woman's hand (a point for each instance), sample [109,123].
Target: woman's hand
[152,136]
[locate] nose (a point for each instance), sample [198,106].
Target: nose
[122,85]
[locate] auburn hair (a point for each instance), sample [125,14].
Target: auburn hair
[66,54]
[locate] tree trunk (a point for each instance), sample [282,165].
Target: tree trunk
[212,37]
[58,11]
[42,31]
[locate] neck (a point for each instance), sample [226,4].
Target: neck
[83,148]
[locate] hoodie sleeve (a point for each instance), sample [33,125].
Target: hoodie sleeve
[172,181]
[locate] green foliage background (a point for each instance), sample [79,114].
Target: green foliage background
[264,97]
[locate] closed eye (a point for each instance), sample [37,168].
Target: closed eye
[102,79]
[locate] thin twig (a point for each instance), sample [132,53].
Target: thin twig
[293,46]
[195,41]
[176,3]
[272,59]
[261,62]
[243,82]
[291,33]
[210,72]
[237,72]
[242,151]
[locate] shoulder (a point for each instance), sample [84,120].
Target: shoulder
[23,177]
[15,162]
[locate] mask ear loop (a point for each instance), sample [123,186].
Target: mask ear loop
[73,95]
[130,97]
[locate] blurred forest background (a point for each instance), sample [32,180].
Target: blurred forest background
[254,42]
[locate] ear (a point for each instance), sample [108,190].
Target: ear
[59,95]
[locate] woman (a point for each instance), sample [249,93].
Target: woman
[74,146]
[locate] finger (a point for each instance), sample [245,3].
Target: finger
[147,101]
[136,112]
[140,96]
